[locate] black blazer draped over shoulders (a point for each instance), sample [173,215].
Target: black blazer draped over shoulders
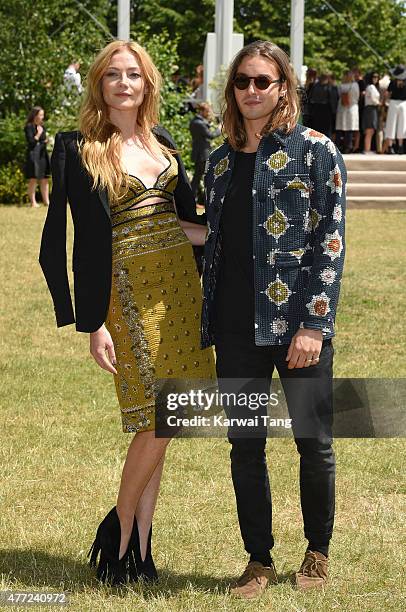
[92,248]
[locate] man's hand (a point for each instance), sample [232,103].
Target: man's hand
[304,349]
[100,344]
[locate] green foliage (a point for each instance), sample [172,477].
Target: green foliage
[187,21]
[38,41]
[330,46]
[12,184]
[164,52]
[51,33]
[329,43]
[12,139]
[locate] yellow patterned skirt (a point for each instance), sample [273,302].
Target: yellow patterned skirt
[154,312]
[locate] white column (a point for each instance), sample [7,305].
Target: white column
[297,35]
[221,46]
[123,20]
[224,31]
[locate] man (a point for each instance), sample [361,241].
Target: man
[202,136]
[275,199]
[72,78]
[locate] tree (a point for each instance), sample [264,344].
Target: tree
[329,43]
[38,40]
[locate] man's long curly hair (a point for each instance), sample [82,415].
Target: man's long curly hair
[287,111]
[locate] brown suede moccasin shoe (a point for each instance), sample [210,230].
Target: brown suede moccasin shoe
[254,580]
[313,572]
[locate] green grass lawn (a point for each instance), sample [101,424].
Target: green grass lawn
[62,450]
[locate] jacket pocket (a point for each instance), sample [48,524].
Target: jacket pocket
[292,259]
[292,193]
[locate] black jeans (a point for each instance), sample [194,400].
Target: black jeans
[308,393]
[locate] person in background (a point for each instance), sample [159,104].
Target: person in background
[196,97]
[72,78]
[311,77]
[334,102]
[347,119]
[321,106]
[361,102]
[370,118]
[37,165]
[202,136]
[395,127]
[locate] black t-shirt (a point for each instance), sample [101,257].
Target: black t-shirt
[397,93]
[235,303]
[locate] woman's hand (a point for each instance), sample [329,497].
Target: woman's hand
[100,344]
[40,129]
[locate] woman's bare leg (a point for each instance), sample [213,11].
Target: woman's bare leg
[146,506]
[32,185]
[369,132]
[143,456]
[44,187]
[357,137]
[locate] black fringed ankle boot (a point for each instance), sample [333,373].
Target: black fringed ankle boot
[110,569]
[137,567]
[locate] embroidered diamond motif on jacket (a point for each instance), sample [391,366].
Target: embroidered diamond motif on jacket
[278,292]
[332,245]
[278,161]
[335,181]
[277,224]
[279,326]
[315,218]
[319,305]
[331,147]
[337,213]
[309,157]
[328,276]
[314,136]
[221,167]
[270,258]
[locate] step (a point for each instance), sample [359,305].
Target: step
[376,176]
[377,189]
[388,163]
[376,202]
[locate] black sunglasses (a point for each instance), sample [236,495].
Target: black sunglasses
[261,82]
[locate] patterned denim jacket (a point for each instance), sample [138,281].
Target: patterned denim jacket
[298,234]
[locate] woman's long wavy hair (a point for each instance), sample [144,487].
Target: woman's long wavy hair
[102,141]
[286,112]
[32,114]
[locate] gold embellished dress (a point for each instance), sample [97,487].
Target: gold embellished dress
[155,304]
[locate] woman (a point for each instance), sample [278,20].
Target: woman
[137,290]
[395,127]
[37,167]
[321,106]
[311,77]
[370,117]
[347,119]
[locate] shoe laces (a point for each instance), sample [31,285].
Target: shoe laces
[310,564]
